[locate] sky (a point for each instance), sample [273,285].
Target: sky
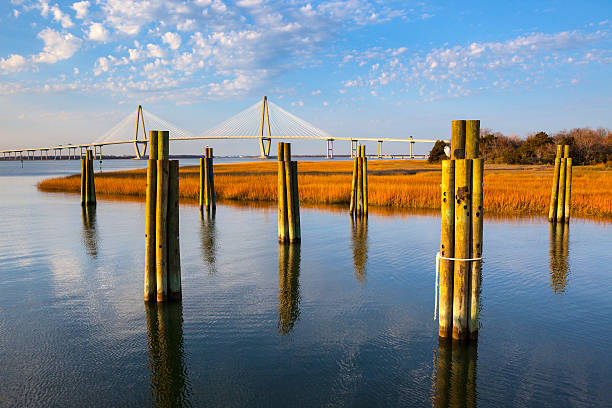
[70,71]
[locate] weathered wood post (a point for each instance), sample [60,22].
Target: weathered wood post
[477,227]
[359,184]
[568,189]
[88,187]
[463,204]
[161,217]
[150,282]
[288,197]
[552,211]
[561,194]
[162,249]
[211,180]
[283,216]
[352,207]
[174,250]
[461,234]
[207,184]
[447,248]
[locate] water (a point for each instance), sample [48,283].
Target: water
[345,319]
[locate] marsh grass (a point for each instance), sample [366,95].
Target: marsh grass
[396,184]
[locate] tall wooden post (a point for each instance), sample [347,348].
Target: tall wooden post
[161,214]
[477,227]
[210,177]
[150,282]
[289,229]
[365,180]
[283,217]
[463,204]
[568,189]
[174,250]
[458,139]
[561,194]
[83,182]
[447,248]
[554,193]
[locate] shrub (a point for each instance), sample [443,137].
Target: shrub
[437,152]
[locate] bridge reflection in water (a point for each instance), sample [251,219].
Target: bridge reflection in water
[169,382]
[288,287]
[559,249]
[359,243]
[455,374]
[90,236]
[208,237]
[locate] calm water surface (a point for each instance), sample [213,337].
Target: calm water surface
[345,319]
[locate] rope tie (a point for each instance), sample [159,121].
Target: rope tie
[438,257]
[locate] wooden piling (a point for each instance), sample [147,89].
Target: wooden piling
[477,227]
[174,250]
[359,204]
[161,230]
[211,180]
[92,183]
[552,210]
[161,216]
[290,193]
[283,228]
[472,138]
[353,207]
[150,284]
[153,144]
[83,182]
[202,183]
[561,194]
[447,248]
[458,139]
[463,204]
[365,181]
[568,190]
[296,201]
[163,144]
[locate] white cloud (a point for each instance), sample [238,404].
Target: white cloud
[15,13]
[81,8]
[97,32]
[58,15]
[186,25]
[317,92]
[57,46]
[155,51]
[14,63]
[172,39]
[102,65]
[248,3]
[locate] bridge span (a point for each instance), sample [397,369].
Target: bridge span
[254,123]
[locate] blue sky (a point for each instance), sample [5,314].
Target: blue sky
[70,70]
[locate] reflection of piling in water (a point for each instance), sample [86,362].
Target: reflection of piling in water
[90,236]
[289,287]
[169,383]
[208,237]
[359,237]
[455,380]
[559,248]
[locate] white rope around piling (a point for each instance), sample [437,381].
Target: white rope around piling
[438,257]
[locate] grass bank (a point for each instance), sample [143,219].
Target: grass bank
[398,183]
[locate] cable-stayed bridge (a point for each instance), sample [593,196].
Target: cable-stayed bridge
[262,121]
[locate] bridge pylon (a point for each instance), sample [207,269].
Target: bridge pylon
[264,142]
[139,120]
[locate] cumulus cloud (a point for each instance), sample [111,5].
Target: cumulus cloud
[58,46]
[14,63]
[97,32]
[102,65]
[155,51]
[81,8]
[172,39]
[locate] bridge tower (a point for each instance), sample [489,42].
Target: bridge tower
[264,142]
[139,120]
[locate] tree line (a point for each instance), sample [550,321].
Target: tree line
[587,146]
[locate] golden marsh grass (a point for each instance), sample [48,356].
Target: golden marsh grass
[397,184]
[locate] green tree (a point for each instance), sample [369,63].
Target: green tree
[437,152]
